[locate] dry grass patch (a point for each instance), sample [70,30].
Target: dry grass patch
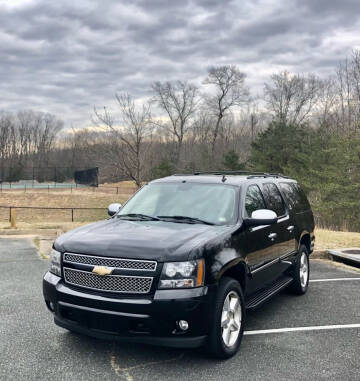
[60,227]
[57,199]
[328,239]
[120,184]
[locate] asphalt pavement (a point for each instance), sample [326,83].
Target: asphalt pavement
[311,337]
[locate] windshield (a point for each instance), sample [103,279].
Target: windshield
[213,203]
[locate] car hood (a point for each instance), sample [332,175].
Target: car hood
[155,240]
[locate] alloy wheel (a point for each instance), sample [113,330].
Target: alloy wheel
[304,269]
[231,319]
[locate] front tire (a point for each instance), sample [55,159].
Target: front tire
[228,319]
[300,283]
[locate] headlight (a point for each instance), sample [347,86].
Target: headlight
[55,267]
[182,274]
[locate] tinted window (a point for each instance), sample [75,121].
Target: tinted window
[303,201]
[253,200]
[273,199]
[295,197]
[289,193]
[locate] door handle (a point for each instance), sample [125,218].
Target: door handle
[290,229]
[272,236]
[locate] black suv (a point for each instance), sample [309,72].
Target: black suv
[181,262]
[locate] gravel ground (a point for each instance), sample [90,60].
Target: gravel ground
[33,348]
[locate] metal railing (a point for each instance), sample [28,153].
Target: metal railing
[5,187]
[43,214]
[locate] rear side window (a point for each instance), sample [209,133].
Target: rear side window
[295,197]
[273,199]
[253,200]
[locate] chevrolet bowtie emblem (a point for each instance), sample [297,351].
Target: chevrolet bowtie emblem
[102,270]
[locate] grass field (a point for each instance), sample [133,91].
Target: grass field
[59,198]
[87,198]
[80,198]
[328,239]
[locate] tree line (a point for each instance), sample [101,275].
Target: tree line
[27,139]
[302,125]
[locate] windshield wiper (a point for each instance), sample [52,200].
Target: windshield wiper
[138,216]
[185,219]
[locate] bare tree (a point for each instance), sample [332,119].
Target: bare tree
[291,98]
[132,134]
[253,118]
[230,91]
[355,75]
[178,100]
[348,83]
[201,129]
[326,111]
[6,125]
[344,91]
[45,129]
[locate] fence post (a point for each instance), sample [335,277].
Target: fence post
[12,218]
[117,190]
[72,214]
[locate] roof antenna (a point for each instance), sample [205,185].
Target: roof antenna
[223,179]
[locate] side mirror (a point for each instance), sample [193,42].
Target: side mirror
[113,209]
[261,217]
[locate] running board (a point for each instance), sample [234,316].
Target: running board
[262,296]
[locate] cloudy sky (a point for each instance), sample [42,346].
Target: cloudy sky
[64,57]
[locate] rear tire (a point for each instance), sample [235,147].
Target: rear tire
[300,283]
[228,319]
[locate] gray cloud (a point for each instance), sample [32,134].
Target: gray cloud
[65,57]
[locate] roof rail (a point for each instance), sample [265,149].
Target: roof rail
[277,175]
[227,173]
[249,174]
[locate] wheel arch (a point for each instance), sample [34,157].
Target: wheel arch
[237,270]
[305,240]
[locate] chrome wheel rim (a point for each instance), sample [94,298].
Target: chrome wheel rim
[231,319]
[304,270]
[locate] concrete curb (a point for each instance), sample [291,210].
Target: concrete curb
[320,254]
[345,255]
[37,232]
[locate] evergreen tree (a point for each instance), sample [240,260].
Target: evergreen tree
[164,169]
[326,164]
[231,161]
[282,148]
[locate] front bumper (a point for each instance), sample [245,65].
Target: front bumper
[150,319]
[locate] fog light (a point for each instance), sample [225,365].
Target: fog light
[50,306]
[183,325]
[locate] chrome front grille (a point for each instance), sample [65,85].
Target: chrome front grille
[119,263]
[110,283]
[131,283]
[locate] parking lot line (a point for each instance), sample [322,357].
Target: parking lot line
[300,329]
[332,280]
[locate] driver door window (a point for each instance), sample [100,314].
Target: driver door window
[254,200]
